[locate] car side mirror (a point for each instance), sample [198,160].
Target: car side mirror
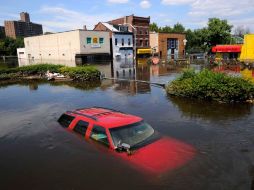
[124,147]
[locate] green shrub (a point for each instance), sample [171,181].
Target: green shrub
[187,73]
[211,86]
[83,73]
[7,76]
[33,69]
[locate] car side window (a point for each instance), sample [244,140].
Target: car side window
[65,120]
[99,134]
[81,127]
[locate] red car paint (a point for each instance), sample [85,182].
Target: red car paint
[159,156]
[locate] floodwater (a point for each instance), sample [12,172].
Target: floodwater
[37,153]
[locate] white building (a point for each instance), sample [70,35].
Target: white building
[122,45]
[22,56]
[68,48]
[122,40]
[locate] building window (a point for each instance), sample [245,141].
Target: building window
[116,42]
[49,54]
[146,43]
[140,32]
[129,41]
[88,40]
[95,40]
[141,43]
[101,40]
[122,42]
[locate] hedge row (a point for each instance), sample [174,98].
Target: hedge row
[84,73]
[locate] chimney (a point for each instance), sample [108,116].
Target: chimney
[24,16]
[84,27]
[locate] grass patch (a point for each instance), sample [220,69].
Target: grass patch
[211,86]
[83,73]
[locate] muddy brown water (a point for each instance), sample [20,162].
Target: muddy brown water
[37,153]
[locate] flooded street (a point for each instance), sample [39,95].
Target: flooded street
[37,153]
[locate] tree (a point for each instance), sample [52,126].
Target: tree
[178,28]
[218,32]
[197,40]
[165,29]
[240,31]
[153,27]
[2,34]
[9,45]
[46,33]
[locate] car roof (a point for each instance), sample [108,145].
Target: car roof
[105,117]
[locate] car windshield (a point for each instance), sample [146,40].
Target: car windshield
[131,134]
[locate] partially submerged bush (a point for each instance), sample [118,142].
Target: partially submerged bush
[211,86]
[33,69]
[81,73]
[77,73]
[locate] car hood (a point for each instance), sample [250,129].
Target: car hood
[161,156]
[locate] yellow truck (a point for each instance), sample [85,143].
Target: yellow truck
[247,53]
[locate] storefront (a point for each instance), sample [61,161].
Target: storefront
[144,53]
[227,52]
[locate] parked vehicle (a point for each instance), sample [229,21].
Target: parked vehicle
[128,137]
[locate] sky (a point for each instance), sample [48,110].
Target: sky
[57,16]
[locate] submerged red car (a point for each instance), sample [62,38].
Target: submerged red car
[129,137]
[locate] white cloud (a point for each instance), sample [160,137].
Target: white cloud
[62,19]
[118,1]
[247,23]
[221,8]
[177,2]
[144,4]
[217,8]
[235,11]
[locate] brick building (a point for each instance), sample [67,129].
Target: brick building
[141,31]
[22,28]
[168,45]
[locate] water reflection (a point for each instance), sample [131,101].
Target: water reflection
[210,110]
[33,85]
[236,70]
[140,70]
